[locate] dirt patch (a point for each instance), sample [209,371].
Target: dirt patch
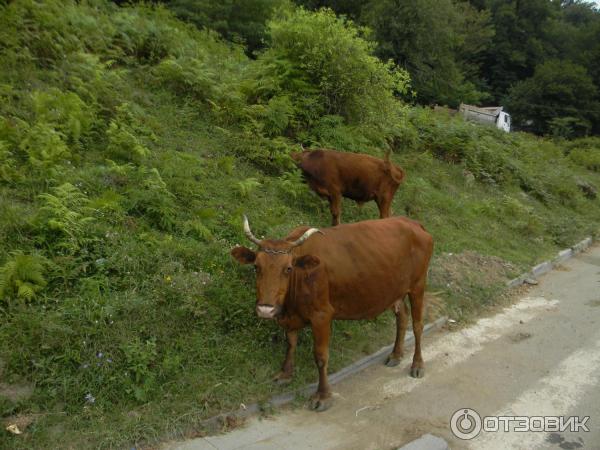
[518,337]
[457,271]
[15,392]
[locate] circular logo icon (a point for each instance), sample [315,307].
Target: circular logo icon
[465,423]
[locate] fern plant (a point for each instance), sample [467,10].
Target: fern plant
[44,146]
[292,184]
[65,216]
[22,277]
[65,111]
[245,187]
[8,165]
[124,133]
[153,199]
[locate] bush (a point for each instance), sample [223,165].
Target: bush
[318,64]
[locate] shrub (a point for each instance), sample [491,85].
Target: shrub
[318,64]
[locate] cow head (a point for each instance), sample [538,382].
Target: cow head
[274,265]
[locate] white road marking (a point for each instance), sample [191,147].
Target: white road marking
[460,345]
[554,395]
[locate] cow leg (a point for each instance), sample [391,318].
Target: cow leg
[417,305]
[335,206]
[287,370]
[321,400]
[385,206]
[401,311]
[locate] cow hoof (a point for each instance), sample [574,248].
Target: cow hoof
[417,372]
[282,378]
[319,404]
[392,361]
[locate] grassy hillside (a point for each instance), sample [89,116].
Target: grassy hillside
[130,146]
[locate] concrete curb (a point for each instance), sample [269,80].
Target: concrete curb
[379,356]
[546,266]
[426,442]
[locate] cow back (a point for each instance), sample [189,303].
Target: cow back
[371,264]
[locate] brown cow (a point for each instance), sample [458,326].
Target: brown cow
[362,178]
[348,272]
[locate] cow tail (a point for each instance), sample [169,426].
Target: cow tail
[399,175]
[394,171]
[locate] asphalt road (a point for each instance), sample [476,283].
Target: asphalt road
[539,357]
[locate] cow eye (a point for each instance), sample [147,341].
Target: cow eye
[288,269]
[257,269]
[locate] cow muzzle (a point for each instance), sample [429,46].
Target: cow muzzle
[267,311]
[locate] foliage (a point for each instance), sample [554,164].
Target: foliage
[152,198]
[431,39]
[65,112]
[64,218]
[236,20]
[476,51]
[556,90]
[123,134]
[22,277]
[245,187]
[44,146]
[318,64]
[586,153]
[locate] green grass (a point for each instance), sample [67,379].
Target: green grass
[131,294]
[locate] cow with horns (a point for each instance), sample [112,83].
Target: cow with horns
[347,272]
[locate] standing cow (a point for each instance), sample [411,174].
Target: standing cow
[362,178]
[348,272]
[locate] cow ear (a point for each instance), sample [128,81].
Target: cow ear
[307,262]
[244,255]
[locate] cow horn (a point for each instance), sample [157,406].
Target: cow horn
[248,232]
[308,233]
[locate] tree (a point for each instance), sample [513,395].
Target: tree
[437,41]
[521,41]
[349,8]
[557,90]
[236,20]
